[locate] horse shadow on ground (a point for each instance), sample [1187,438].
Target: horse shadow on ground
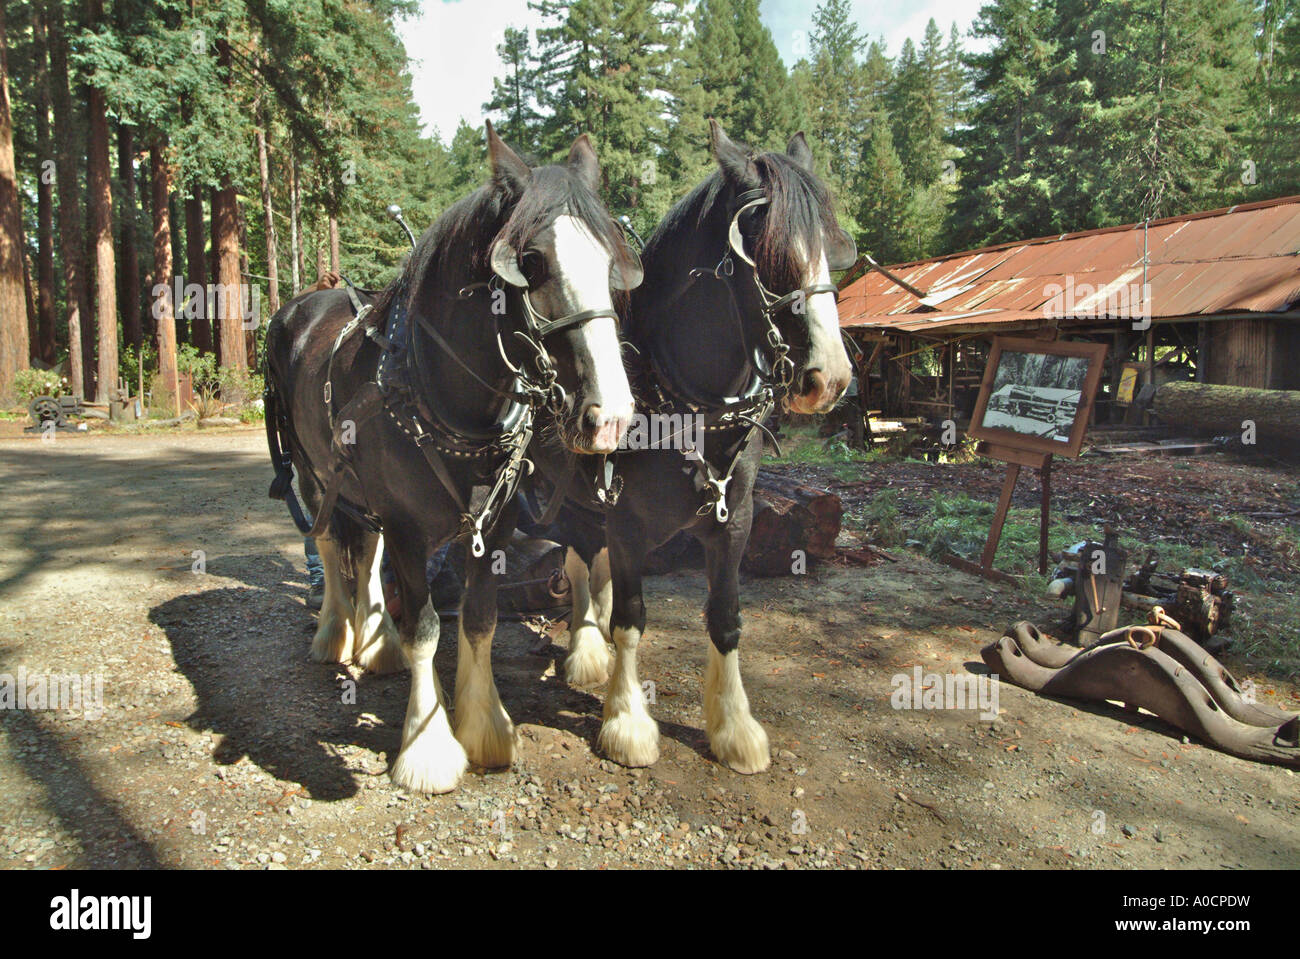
[554,704]
[244,650]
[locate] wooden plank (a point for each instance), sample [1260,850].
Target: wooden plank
[1009,454]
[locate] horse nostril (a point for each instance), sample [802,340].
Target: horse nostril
[593,417]
[814,381]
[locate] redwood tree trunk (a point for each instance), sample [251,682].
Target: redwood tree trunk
[72,244]
[101,229]
[196,272]
[130,282]
[268,218]
[44,346]
[295,221]
[229,299]
[13,306]
[164,308]
[1230,409]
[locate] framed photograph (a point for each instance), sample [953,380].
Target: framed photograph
[1037,395]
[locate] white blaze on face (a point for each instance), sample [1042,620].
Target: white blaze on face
[581,282]
[825,345]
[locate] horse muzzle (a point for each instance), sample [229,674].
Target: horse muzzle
[817,392]
[600,430]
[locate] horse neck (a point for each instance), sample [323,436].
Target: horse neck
[700,328]
[454,396]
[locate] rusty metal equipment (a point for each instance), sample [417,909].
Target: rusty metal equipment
[1157,668]
[1099,588]
[53,409]
[1198,598]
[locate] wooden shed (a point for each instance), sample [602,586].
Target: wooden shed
[1212,296]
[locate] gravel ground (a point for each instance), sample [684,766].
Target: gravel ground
[221,746]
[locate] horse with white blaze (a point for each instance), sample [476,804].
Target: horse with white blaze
[736,314]
[411,418]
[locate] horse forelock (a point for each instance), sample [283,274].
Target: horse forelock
[799,215]
[474,222]
[557,191]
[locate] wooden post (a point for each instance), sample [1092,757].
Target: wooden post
[1044,506]
[1000,517]
[1015,459]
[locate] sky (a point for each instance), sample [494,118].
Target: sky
[452,43]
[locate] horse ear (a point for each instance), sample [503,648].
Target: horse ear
[508,170]
[799,151]
[734,160]
[583,162]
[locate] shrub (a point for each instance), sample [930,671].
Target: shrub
[31,383]
[883,519]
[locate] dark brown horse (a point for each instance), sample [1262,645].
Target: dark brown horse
[737,313]
[501,324]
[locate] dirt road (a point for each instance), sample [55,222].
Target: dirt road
[220,745]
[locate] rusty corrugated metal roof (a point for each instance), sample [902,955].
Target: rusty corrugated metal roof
[1240,259]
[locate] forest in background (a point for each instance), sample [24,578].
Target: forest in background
[259,142]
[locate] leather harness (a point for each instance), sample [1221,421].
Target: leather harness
[393,392]
[773,369]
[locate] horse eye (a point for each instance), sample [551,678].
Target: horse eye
[533,266]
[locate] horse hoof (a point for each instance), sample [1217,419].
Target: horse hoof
[429,766]
[489,740]
[630,740]
[742,746]
[588,664]
[333,641]
[383,654]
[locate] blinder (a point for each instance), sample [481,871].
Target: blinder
[624,274]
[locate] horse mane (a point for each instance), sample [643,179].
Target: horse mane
[799,210]
[474,221]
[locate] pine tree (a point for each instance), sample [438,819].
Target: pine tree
[514,96]
[1006,190]
[881,186]
[611,59]
[729,69]
[837,102]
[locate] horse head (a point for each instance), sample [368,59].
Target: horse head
[560,254]
[781,226]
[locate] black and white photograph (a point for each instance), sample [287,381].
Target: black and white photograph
[1036,394]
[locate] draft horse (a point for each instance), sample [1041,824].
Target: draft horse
[711,339]
[412,417]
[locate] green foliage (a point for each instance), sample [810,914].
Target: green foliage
[1089,113]
[883,519]
[31,383]
[1074,114]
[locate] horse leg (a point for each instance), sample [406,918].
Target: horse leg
[482,724]
[628,734]
[334,633]
[588,661]
[376,648]
[734,735]
[430,760]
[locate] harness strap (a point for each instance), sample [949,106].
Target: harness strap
[447,348]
